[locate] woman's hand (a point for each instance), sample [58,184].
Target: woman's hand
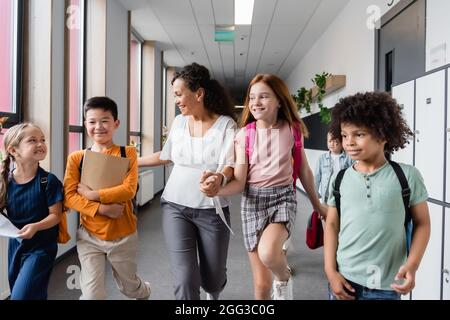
[210,183]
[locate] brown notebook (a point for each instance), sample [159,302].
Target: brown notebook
[102,171]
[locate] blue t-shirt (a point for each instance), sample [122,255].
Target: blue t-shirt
[27,203]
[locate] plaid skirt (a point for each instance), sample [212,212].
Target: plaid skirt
[261,206]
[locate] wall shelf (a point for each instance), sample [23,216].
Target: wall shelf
[334,82]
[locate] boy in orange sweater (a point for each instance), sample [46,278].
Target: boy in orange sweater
[108,225]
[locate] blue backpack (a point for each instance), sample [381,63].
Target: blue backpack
[406,193]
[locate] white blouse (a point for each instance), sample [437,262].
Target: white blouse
[193,155]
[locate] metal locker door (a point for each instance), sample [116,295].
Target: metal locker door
[446,268]
[447,180]
[404,94]
[428,276]
[430,133]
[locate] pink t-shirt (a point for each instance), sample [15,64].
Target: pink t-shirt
[271,162]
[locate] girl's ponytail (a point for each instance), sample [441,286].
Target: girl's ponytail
[4,180]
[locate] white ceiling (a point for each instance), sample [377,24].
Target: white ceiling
[280,34]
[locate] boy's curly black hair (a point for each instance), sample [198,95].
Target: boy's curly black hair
[378,112]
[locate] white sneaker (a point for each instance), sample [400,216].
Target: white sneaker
[282,290]
[210,296]
[147,284]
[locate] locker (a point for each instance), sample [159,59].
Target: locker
[428,276]
[430,132]
[447,197]
[446,268]
[404,94]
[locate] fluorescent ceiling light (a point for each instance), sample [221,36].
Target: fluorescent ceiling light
[243,11]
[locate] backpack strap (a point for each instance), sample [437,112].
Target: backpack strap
[406,191]
[250,134]
[80,168]
[43,184]
[296,151]
[336,192]
[406,194]
[123,154]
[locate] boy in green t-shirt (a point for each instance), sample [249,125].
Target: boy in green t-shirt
[365,247]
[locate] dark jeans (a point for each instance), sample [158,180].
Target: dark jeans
[364,293]
[190,231]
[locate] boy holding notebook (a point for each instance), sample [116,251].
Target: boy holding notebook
[108,225]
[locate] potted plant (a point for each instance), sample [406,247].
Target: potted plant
[320,80]
[324,83]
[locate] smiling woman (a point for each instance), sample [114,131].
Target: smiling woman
[201,139]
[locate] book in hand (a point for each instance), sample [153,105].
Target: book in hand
[102,171]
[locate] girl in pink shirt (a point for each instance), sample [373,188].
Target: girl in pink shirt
[266,179]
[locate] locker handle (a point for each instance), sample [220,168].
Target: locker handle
[448,130]
[417,132]
[428,100]
[446,274]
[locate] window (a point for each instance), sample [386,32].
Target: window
[10,60]
[75,49]
[135,90]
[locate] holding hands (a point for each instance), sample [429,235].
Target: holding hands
[210,183]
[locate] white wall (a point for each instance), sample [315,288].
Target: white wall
[117,62]
[437,34]
[347,47]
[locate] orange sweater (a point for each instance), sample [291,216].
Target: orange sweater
[100,226]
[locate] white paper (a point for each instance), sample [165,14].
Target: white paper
[7,229]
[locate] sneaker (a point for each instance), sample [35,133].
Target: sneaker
[289,269]
[147,284]
[211,296]
[282,290]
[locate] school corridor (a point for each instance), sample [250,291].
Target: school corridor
[153,264]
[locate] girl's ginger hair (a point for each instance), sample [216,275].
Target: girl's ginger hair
[11,139]
[288,109]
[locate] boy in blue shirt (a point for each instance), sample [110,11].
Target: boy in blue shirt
[330,163]
[365,246]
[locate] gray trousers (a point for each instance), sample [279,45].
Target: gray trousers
[197,241]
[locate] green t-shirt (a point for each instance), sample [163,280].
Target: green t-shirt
[372,239]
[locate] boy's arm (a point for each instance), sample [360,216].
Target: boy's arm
[421,233]
[72,199]
[340,287]
[420,237]
[125,191]
[331,240]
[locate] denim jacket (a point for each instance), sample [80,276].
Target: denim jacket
[324,171]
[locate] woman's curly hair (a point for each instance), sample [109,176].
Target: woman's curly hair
[217,100]
[378,112]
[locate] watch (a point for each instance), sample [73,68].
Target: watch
[224,180]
